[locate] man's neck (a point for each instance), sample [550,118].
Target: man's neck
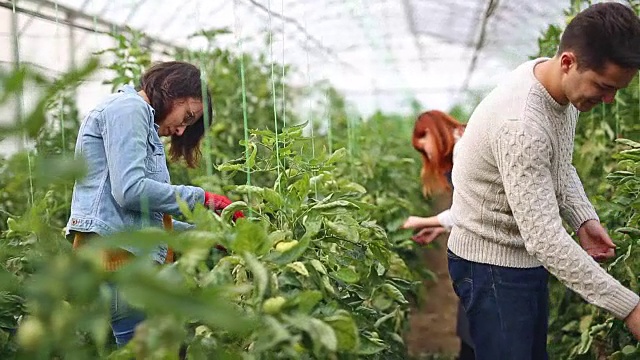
[549,74]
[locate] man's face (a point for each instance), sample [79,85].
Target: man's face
[586,88]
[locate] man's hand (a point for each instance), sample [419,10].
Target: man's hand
[596,242]
[633,322]
[427,235]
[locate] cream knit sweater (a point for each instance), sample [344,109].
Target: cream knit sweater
[514,183]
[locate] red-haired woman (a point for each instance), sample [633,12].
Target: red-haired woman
[434,137]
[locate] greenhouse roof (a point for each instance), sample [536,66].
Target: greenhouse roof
[379,53]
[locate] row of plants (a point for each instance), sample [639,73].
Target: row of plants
[608,162]
[318,269]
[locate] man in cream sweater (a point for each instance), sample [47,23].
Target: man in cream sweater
[514,184]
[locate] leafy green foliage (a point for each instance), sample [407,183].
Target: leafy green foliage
[312,272]
[130,57]
[321,269]
[608,166]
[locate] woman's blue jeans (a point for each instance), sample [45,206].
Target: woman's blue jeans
[124,317]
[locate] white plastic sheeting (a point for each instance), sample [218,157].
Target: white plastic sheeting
[379,53]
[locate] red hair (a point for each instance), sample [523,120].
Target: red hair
[442,127]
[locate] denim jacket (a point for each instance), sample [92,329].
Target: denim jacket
[127,181]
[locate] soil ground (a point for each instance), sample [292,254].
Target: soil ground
[433,324]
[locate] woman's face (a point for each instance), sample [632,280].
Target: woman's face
[428,145]
[184,113]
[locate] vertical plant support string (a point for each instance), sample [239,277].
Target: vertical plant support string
[207,120]
[273,91]
[19,97]
[329,120]
[245,121]
[61,104]
[284,108]
[205,101]
[310,120]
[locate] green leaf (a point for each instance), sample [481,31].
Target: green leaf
[58,169]
[381,302]
[317,180]
[250,237]
[270,334]
[299,267]
[260,276]
[221,273]
[273,198]
[371,346]
[318,266]
[354,187]
[629,350]
[628,231]
[385,295]
[347,275]
[343,231]
[381,320]
[378,231]
[252,157]
[321,333]
[394,293]
[208,305]
[230,167]
[345,329]
[335,204]
[628,142]
[307,300]
[230,210]
[337,156]
[312,224]
[248,189]
[326,284]
[300,187]
[184,207]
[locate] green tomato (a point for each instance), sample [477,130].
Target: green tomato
[273,305]
[286,245]
[298,348]
[30,333]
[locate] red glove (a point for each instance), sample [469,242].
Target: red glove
[217,202]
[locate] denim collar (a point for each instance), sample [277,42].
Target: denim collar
[128,89]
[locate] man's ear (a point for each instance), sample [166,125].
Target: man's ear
[568,60]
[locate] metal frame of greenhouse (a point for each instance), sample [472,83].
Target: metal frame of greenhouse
[381,54]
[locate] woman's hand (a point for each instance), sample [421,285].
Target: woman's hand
[428,234]
[217,203]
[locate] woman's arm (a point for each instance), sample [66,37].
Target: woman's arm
[125,132]
[443,219]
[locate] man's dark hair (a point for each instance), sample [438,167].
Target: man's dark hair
[168,81]
[604,32]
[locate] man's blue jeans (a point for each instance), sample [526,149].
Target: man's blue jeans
[507,308]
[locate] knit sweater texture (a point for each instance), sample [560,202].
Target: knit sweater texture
[514,184]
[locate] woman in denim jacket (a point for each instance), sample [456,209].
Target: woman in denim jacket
[127,183]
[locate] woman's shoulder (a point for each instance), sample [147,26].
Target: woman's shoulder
[119,105]
[126,101]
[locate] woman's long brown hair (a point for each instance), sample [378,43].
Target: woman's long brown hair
[442,127]
[165,82]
